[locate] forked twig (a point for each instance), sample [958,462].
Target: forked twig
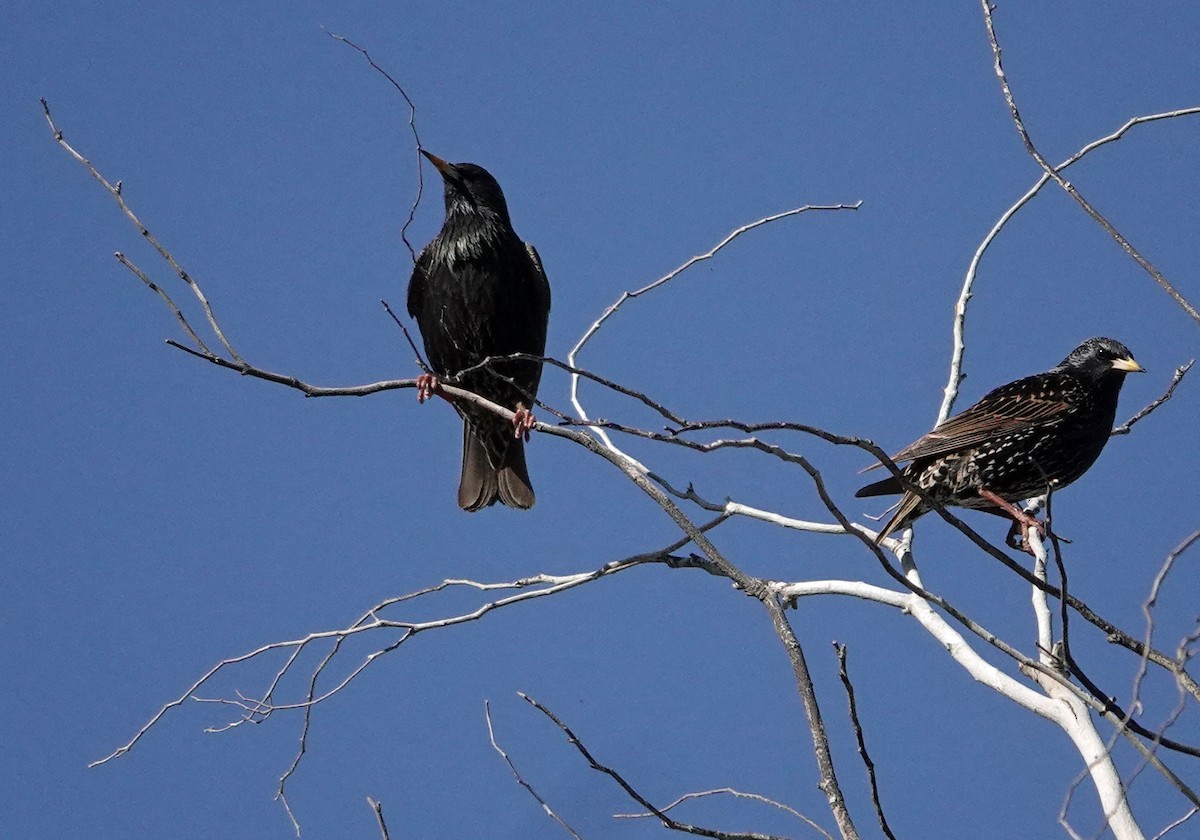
[487,713]
[666,278]
[412,125]
[950,393]
[1180,372]
[663,817]
[862,743]
[738,794]
[1062,182]
[115,192]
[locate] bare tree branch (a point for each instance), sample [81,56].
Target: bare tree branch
[1180,372]
[1068,187]
[487,713]
[666,278]
[162,293]
[1176,824]
[1062,699]
[377,807]
[412,125]
[667,821]
[1073,717]
[532,587]
[862,743]
[735,793]
[950,393]
[115,192]
[627,464]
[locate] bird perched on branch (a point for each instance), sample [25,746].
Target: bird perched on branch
[1040,432]
[478,291]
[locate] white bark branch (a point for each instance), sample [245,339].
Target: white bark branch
[666,278]
[950,393]
[1067,187]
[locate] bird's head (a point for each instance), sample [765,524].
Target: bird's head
[1101,358]
[470,189]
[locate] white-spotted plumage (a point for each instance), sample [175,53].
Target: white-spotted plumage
[1042,431]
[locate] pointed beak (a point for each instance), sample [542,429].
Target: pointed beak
[440,165]
[1128,365]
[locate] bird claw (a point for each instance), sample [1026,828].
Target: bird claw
[1016,536]
[427,386]
[523,422]
[1021,522]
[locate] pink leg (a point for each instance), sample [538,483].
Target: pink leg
[523,422]
[427,386]
[1021,521]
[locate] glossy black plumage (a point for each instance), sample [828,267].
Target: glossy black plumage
[476,291]
[1046,429]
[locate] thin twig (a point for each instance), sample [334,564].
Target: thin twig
[1151,601]
[412,124]
[377,807]
[950,394]
[115,192]
[531,587]
[628,295]
[487,713]
[739,794]
[862,743]
[667,821]
[1180,372]
[162,293]
[1108,704]
[1068,187]
[407,337]
[1176,824]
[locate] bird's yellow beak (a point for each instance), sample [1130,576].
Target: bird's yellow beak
[438,163]
[1128,365]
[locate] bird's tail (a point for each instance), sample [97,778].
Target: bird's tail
[908,503]
[516,490]
[495,473]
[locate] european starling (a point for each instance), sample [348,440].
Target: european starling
[476,291]
[1042,431]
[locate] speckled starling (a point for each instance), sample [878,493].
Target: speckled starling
[1042,431]
[477,291]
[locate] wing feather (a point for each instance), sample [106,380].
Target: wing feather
[1028,403]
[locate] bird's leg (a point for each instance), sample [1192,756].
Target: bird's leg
[523,422]
[1013,538]
[1021,521]
[428,385]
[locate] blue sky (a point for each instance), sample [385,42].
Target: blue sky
[163,514]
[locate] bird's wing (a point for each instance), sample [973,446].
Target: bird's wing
[1025,404]
[416,284]
[542,285]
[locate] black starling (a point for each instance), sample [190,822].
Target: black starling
[476,291]
[1043,430]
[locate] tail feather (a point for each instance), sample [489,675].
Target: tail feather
[908,503]
[493,476]
[516,490]
[477,485]
[887,487]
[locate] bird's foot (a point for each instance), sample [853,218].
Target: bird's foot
[1017,536]
[523,422]
[1017,533]
[427,386]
